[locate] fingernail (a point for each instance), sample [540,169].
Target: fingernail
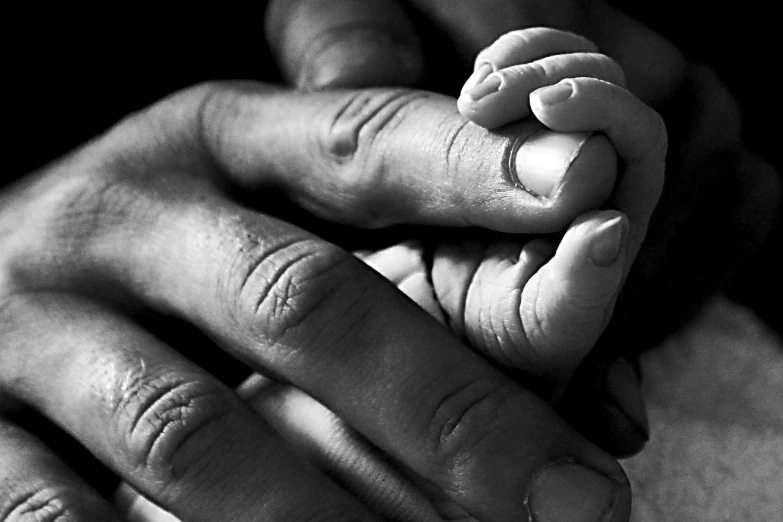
[543,159]
[554,94]
[488,86]
[568,492]
[362,58]
[478,76]
[624,389]
[608,241]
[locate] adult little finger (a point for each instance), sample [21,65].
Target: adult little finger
[36,485]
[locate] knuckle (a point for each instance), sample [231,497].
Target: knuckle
[362,117]
[87,202]
[353,140]
[167,423]
[47,504]
[541,70]
[61,216]
[465,421]
[282,286]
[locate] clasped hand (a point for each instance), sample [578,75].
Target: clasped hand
[142,219]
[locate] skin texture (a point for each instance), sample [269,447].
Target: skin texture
[719,199]
[653,69]
[511,302]
[141,219]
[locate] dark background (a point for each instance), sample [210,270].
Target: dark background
[72,73]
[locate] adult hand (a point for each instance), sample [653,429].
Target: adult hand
[322,44]
[718,200]
[141,219]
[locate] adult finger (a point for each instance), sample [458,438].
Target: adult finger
[373,158]
[310,314]
[165,425]
[357,43]
[36,485]
[327,441]
[636,131]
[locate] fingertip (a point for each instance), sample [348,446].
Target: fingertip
[596,241]
[480,74]
[608,241]
[478,104]
[550,95]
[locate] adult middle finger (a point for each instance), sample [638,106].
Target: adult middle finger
[157,420]
[308,313]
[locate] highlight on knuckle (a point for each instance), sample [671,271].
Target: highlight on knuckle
[465,420]
[284,285]
[362,117]
[168,423]
[45,504]
[541,70]
[348,137]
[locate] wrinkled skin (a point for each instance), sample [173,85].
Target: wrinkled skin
[719,199]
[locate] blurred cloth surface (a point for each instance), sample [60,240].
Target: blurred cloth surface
[715,398]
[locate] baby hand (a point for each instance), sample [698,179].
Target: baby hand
[518,303]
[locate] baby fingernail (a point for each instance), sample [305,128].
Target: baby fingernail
[623,386]
[488,86]
[543,159]
[569,492]
[554,94]
[478,76]
[608,241]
